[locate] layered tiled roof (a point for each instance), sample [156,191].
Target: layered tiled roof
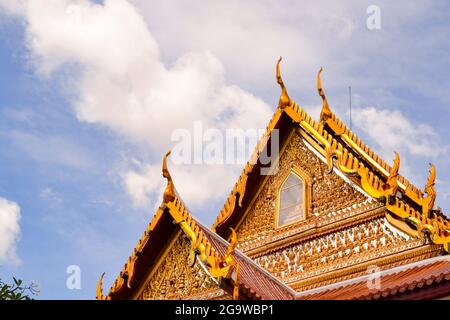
[345,151]
[411,212]
[253,279]
[393,283]
[218,256]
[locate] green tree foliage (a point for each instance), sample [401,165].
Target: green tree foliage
[17,291]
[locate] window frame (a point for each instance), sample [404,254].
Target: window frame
[306,180]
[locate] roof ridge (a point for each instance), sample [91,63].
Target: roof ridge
[361,144]
[386,272]
[377,178]
[252,262]
[240,185]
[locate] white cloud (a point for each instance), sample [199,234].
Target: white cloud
[417,143]
[196,184]
[11,6]
[9,231]
[397,133]
[248,37]
[122,84]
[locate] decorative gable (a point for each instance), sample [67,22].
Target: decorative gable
[322,192]
[175,278]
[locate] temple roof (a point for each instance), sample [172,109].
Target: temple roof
[395,282]
[230,267]
[407,208]
[253,279]
[412,212]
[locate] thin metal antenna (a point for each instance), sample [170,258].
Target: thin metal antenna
[350,103]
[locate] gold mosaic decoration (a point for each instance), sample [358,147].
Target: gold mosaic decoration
[175,278]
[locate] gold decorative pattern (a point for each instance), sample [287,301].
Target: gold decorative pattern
[329,193]
[200,247]
[392,180]
[375,182]
[99,295]
[240,186]
[344,231]
[217,265]
[325,114]
[392,259]
[169,192]
[428,202]
[285,101]
[335,251]
[175,278]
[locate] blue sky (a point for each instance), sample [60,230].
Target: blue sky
[92,92]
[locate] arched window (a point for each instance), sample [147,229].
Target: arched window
[291,205]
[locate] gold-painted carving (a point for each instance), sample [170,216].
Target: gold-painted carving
[391,185]
[285,101]
[240,186]
[344,159]
[175,279]
[169,192]
[99,291]
[325,114]
[428,202]
[333,252]
[328,193]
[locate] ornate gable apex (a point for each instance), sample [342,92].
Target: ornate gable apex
[408,208]
[230,269]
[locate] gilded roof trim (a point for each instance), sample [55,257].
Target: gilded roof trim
[217,265]
[377,178]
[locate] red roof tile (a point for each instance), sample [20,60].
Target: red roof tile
[252,278]
[393,282]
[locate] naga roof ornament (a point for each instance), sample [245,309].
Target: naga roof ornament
[326,113]
[392,181]
[429,190]
[285,101]
[169,192]
[99,294]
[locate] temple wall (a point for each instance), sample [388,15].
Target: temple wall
[174,278]
[344,233]
[329,193]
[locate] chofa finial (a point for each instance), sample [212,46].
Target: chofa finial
[429,187]
[392,180]
[99,293]
[169,192]
[428,202]
[431,178]
[396,167]
[325,114]
[285,101]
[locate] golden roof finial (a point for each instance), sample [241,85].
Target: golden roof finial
[392,181]
[429,187]
[431,178]
[169,192]
[285,101]
[99,295]
[325,114]
[228,259]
